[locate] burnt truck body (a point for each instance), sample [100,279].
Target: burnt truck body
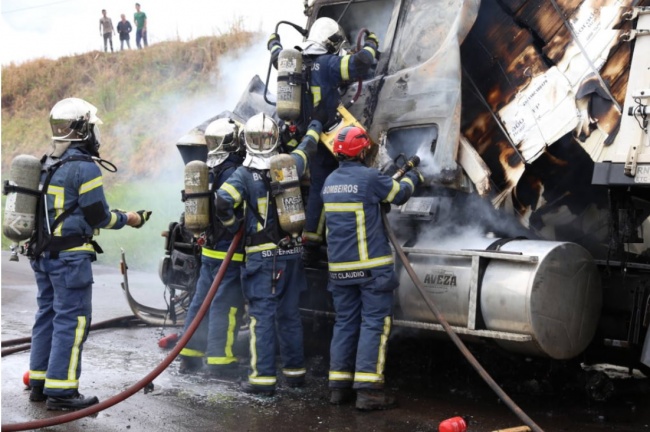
[530,118]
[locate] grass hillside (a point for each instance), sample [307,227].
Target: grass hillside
[147,99]
[131,90]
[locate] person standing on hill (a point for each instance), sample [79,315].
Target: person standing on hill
[140,19]
[124,29]
[106,29]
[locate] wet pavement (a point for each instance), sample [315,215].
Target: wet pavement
[432,381]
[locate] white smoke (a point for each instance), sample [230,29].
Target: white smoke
[180,113]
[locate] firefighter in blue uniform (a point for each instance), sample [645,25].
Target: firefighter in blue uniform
[362,275]
[75,207]
[329,70]
[273,277]
[215,337]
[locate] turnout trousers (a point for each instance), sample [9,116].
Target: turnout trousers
[274,313]
[62,321]
[217,333]
[363,322]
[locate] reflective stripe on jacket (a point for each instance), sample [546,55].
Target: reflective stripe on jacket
[355,234]
[79,182]
[248,186]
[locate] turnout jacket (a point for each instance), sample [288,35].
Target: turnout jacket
[79,183]
[356,241]
[328,72]
[218,237]
[251,186]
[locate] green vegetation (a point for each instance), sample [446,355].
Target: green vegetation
[146,99]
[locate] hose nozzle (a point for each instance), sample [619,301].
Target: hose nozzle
[408,166]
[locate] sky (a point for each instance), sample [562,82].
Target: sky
[32,29]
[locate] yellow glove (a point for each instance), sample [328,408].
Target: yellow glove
[137,219]
[372,41]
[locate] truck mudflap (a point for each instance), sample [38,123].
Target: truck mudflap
[148,314]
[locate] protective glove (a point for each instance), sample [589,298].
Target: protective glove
[415,176]
[316,126]
[385,207]
[274,40]
[137,219]
[372,41]
[320,113]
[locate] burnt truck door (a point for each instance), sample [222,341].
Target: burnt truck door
[417,79]
[422,85]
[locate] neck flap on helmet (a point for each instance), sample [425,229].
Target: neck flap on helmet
[258,162]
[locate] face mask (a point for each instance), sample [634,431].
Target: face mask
[93,143]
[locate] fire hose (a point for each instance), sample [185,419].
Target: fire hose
[23,344]
[363,32]
[148,379]
[454,337]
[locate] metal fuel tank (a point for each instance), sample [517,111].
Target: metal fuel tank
[549,291]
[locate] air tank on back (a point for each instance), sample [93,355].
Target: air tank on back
[192,146]
[197,209]
[288,197]
[20,208]
[555,299]
[289,87]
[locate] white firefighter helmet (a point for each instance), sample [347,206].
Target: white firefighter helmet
[222,138]
[72,120]
[325,37]
[261,136]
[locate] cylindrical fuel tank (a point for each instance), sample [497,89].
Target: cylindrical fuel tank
[556,300]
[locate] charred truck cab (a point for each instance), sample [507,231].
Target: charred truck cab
[530,119]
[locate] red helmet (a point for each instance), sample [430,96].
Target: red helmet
[351,141]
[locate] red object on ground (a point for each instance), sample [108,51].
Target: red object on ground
[26,378]
[168,341]
[454,424]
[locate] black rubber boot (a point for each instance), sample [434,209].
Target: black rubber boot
[312,255]
[340,396]
[296,382]
[371,400]
[70,403]
[223,371]
[36,394]
[190,365]
[249,388]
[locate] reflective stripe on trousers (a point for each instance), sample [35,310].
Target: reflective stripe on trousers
[61,326]
[361,330]
[270,311]
[218,330]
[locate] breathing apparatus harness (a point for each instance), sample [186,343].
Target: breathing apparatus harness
[270,233]
[42,240]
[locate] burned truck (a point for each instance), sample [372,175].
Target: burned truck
[531,122]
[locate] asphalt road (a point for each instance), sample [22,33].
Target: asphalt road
[429,377]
